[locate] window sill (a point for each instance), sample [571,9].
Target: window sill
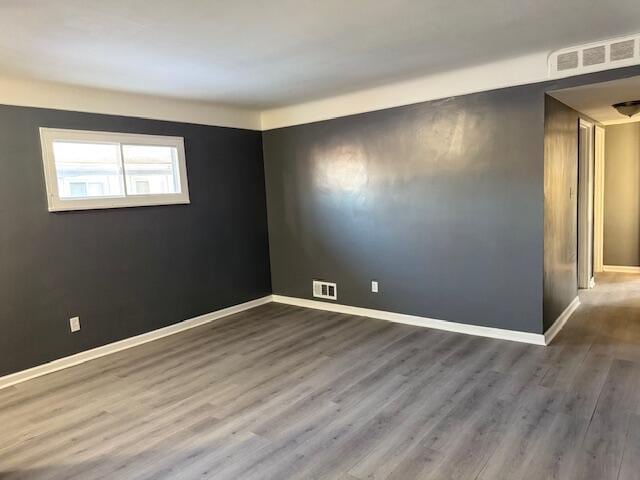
[56,205]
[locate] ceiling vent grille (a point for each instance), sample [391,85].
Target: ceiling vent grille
[594,57]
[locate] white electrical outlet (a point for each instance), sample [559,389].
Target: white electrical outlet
[74,323]
[374,286]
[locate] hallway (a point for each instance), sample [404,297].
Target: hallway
[597,365]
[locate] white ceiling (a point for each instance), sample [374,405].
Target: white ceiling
[269,53]
[595,100]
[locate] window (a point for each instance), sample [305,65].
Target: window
[86,170]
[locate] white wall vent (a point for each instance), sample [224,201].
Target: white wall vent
[325,290]
[594,57]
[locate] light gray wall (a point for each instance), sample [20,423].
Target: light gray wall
[441,202]
[622,195]
[560,208]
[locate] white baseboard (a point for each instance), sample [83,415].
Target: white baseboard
[620,269]
[499,333]
[550,334]
[87,355]
[513,335]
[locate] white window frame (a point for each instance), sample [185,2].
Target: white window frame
[57,204]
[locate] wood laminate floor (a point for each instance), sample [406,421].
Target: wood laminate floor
[281,392]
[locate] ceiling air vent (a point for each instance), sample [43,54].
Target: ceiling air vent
[622,50]
[593,57]
[568,61]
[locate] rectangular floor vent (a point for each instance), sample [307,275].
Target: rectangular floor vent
[594,57]
[325,290]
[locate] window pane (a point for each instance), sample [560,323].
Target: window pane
[151,170]
[86,170]
[142,186]
[78,189]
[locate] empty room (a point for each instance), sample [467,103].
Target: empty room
[341,240]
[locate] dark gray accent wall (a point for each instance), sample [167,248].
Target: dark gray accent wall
[440,202]
[124,271]
[622,195]
[560,208]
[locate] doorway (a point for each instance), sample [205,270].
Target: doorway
[591,149]
[592,213]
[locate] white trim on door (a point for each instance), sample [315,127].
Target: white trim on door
[598,200]
[585,207]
